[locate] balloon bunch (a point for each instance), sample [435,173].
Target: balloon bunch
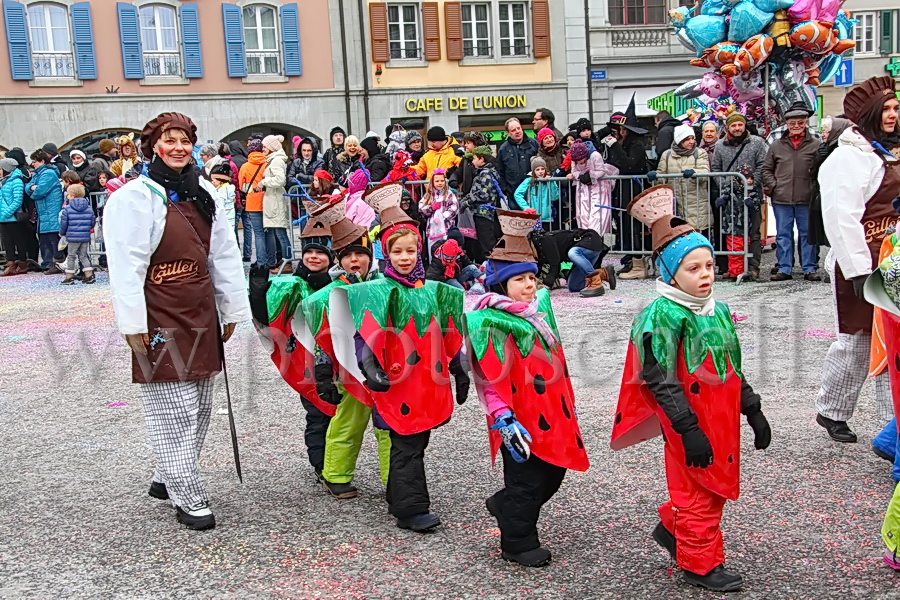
[798,41]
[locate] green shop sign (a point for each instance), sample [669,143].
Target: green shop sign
[669,102]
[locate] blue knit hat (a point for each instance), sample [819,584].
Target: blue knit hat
[669,258]
[498,271]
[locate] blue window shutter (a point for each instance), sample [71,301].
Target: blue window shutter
[290,40]
[190,40]
[17,40]
[83,40]
[234,40]
[130,35]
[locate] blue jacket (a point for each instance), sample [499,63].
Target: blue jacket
[541,197]
[48,198]
[76,220]
[513,165]
[11,196]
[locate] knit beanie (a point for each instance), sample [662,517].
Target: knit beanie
[317,243]
[413,136]
[273,143]
[335,130]
[734,118]
[537,161]
[77,153]
[370,144]
[254,144]
[106,145]
[323,174]
[482,151]
[50,148]
[669,258]
[436,134]
[498,271]
[683,132]
[357,181]
[579,151]
[544,132]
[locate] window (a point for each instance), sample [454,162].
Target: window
[261,40]
[476,30]
[637,12]
[403,31]
[51,51]
[161,55]
[865,33]
[513,29]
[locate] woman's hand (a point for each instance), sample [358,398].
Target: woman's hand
[257,189]
[138,342]
[227,330]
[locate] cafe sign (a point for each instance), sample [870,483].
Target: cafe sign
[466,103]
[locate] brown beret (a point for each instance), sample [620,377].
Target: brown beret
[155,128]
[871,93]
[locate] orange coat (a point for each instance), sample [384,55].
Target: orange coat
[256,163]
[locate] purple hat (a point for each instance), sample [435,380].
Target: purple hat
[579,151]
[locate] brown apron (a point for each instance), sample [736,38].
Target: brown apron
[854,314]
[182,321]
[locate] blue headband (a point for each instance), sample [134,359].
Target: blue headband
[498,271]
[670,257]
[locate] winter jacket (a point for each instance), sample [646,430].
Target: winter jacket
[437,271]
[254,200]
[276,212]
[553,248]
[665,136]
[445,158]
[514,163]
[101,162]
[542,196]
[751,158]
[76,220]
[591,198]
[11,195]
[787,173]
[442,213]
[343,165]
[691,195]
[48,197]
[302,170]
[396,143]
[225,197]
[379,166]
[88,176]
[553,158]
[484,192]
[330,158]
[238,154]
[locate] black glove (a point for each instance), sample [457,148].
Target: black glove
[858,283]
[652,175]
[259,285]
[722,201]
[325,384]
[585,178]
[687,173]
[751,202]
[761,430]
[697,451]
[376,379]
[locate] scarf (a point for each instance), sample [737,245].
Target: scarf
[708,146]
[527,311]
[316,280]
[184,185]
[450,265]
[415,279]
[678,150]
[737,141]
[699,306]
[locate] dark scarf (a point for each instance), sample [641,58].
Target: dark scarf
[737,141]
[679,151]
[184,184]
[315,280]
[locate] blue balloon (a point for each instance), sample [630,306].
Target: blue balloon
[844,25]
[705,31]
[717,8]
[773,5]
[746,21]
[829,67]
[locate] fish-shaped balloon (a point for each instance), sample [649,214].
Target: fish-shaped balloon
[753,53]
[717,56]
[819,38]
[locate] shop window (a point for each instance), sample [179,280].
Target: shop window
[261,40]
[161,54]
[637,12]
[513,29]
[476,30]
[403,31]
[865,33]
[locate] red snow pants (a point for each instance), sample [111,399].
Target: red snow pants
[692,514]
[735,243]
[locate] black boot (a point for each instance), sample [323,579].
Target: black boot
[492,507]
[420,523]
[664,538]
[341,491]
[158,490]
[538,557]
[719,579]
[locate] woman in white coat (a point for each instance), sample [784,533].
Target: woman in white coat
[276,212]
[176,278]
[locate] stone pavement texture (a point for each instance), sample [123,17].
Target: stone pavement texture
[76,521]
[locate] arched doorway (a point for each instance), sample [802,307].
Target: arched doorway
[283,129]
[89,143]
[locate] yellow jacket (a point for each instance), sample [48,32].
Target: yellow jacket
[431,160]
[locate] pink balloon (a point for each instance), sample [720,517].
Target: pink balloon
[803,10]
[828,10]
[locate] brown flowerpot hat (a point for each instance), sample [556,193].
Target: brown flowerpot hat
[872,92]
[318,223]
[385,199]
[344,232]
[655,208]
[514,246]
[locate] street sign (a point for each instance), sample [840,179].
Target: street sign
[598,74]
[844,75]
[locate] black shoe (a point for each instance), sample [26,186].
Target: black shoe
[341,491]
[627,267]
[491,504]
[197,517]
[813,276]
[719,579]
[158,490]
[838,430]
[611,276]
[774,270]
[425,522]
[779,276]
[664,538]
[882,454]
[538,557]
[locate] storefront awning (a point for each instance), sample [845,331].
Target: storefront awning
[622,96]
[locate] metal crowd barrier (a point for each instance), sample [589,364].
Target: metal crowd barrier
[97,247]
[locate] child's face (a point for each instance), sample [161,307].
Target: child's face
[315,260]
[439,182]
[540,172]
[478,161]
[356,262]
[696,273]
[522,288]
[404,254]
[101,179]
[469,145]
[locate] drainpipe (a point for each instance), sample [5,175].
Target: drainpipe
[365,63]
[587,53]
[346,68]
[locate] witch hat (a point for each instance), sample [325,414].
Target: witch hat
[514,246]
[627,119]
[385,199]
[655,208]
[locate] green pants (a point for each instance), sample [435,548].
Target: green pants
[344,439]
[890,531]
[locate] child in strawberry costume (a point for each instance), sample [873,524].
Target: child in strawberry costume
[524,388]
[683,379]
